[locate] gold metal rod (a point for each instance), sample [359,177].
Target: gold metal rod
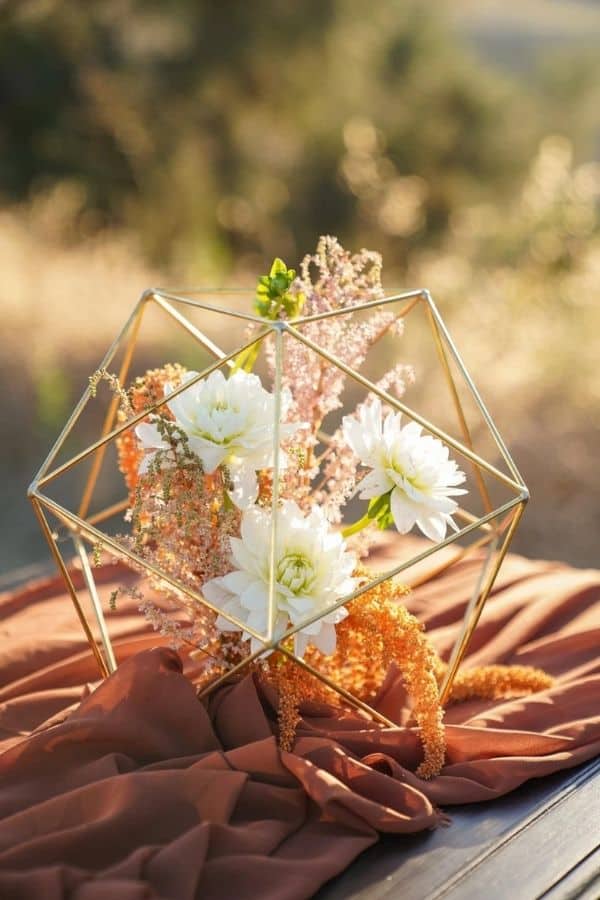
[416,296]
[476,395]
[62,567]
[187,291]
[409,307]
[413,561]
[191,329]
[350,698]
[278,375]
[109,511]
[199,304]
[180,297]
[465,516]
[110,417]
[146,412]
[492,533]
[496,528]
[472,605]
[233,671]
[106,361]
[472,616]
[447,564]
[98,537]
[397,404]
[483,491]
[109,655]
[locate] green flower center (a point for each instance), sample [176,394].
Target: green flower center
[295,572]
[410,472]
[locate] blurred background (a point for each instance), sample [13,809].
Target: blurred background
[190,142]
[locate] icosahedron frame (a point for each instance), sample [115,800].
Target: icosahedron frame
[497,525]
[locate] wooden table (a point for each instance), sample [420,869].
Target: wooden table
[541,841]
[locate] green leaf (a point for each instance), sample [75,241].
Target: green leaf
[386,520]
[278,267]
[280,284]
[273,292]
[378,506]
[380,509]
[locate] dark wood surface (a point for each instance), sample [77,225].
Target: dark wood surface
[541,841]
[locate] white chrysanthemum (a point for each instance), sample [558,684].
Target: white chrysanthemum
[227,421]
[416,468]
[313,570]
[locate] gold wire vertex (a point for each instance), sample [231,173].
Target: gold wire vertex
[406,410]
[332,685]
[401,567]
[138,417]
[458,407]
[96,538]
[64,571]
[473,615]
[475,393]
[81,404]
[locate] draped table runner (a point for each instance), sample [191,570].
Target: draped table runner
[133,789]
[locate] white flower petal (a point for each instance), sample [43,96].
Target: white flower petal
[452,523]
[355,437]
[374,484]
[235,582]
[433,527]
[210,455]
[216,592]
[230,421]
[299,608]
[256,532]
[338,615]
[182,403]
[416,465]
[255,596]
[313,571]
[149,435]
[224,624]
[243,557]
[245,486]
[325,640]
[404,511]
[257,619]
[256,645]
[301,642]
[411,492]
[145,463]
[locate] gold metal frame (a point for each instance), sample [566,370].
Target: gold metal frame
[496,527]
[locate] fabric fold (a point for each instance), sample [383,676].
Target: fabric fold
[135,788]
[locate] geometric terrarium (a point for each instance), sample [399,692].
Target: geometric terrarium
[278,470]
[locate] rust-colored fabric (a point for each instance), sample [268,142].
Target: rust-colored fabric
[135,790]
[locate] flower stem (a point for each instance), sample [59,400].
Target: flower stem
[246,359]
[357,526]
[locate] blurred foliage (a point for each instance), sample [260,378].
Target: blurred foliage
[222,131]
[145,142]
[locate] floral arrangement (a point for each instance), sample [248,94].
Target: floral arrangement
[259,526]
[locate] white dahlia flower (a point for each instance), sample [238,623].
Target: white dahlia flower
[415,469]
[313,570]
[228,422]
